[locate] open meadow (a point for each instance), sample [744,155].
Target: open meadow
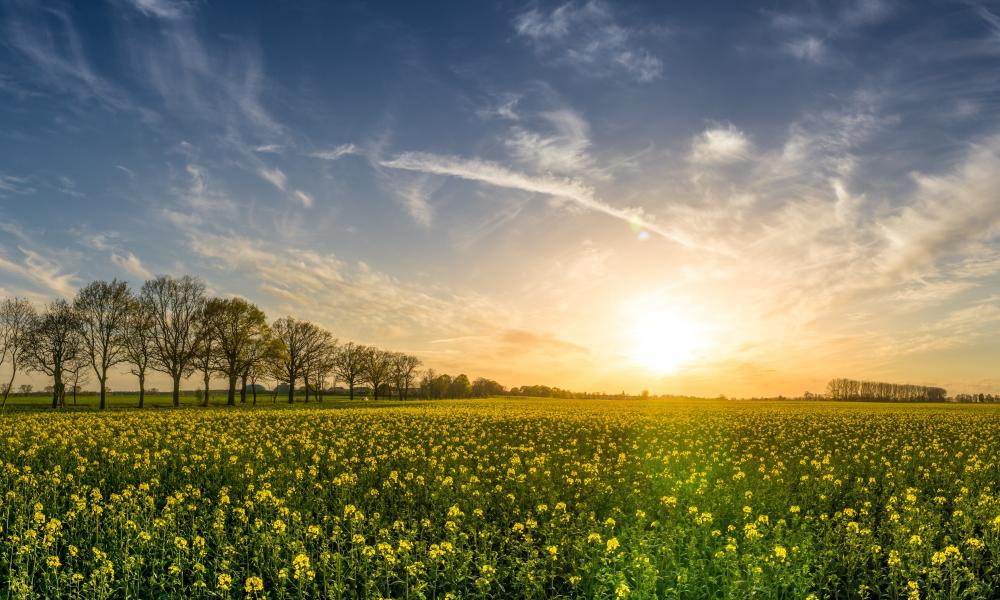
[503,498]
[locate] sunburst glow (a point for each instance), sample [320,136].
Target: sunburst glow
[663,340]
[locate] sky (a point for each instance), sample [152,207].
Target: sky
[694,198]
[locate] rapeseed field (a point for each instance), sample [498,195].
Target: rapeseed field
[504,499]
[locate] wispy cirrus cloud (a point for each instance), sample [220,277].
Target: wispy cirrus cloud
[131,264]
[564,149]
[495,174]
[48,38]
[274,176]
[336,153]
[812,30]
[43,272]
[163,9]
[12,184]
[305,198]
[589,38]
[720,145]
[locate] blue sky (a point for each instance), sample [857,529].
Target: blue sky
[705,198]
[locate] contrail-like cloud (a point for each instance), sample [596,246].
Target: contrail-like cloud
[492,173]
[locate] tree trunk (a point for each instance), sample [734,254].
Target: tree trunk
[291,391]
[104,392]
[305,383]
[10,386]
[243,388]
[254,384]
[177,390]
[350,386]
[142,389]
[208,378]
[57,383]
[74,394]
[231,397]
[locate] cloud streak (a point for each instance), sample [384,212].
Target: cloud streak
[494,174]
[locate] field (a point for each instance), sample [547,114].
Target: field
[503,498]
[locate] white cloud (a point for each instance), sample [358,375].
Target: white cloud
[720,145]
[564,151]
[131,264]
[808,48]
[203,201]
[163,9]
[355,300]
[269,148]
[49,39]
[415,200]
[306,199]
[43,271]
[588,37]
[564,188]
[274,176]
[10,184]
[948,214]
[336,153]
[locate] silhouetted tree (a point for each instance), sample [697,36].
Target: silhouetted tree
[17,317]
[54,343]
[296,339]
[404,367]
[349,364]
[460,387]
[376,365]
[139,342]
[102,308]
[175,306]
[237,326]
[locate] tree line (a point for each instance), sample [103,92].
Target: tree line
[877,391]
[170,325]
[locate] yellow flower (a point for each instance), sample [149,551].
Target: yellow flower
[53,562]
[254,584]
[223,582]
[612,545]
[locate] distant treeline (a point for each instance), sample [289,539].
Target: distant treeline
[977,398]
[879,391]
[544,391]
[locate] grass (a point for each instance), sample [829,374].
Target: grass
[503,498]
[159,400]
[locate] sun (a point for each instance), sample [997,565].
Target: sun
[662,341]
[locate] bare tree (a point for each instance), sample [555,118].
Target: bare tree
[17,317]
[348,365]
[54,343]
[175,305]
[76,375]
[139,343]
[296,339]
[237,326]
[102,308]
[260,357]
[377,365]
[207,354]
[403,371]
[319,361]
